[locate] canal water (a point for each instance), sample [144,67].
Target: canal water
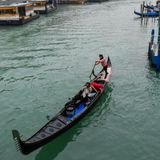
[45,62]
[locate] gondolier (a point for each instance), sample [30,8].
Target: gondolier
[104,62]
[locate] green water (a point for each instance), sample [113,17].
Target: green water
[46,61]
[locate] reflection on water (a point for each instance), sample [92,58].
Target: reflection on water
[51,150]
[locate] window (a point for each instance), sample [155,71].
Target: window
[29,8]
[7,11]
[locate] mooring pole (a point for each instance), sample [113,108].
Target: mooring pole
[159,29]
[152,36]
[142,9]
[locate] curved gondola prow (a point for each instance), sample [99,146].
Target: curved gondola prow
[16,137]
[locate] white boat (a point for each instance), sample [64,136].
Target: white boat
[17,13]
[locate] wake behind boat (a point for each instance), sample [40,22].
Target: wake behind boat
[73,111]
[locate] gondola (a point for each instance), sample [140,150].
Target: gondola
[150,6]
[64,120]
[153,50]
[147,14]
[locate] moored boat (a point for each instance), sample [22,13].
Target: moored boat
[154,51]
[72,1]
[147,10]
[44,6]
[71,113]
[96,1]
[150,7]
[17,13]
[147,14]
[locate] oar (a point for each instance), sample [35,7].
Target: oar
[92,71]
[142,9]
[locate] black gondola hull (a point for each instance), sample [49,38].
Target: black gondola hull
[27,148]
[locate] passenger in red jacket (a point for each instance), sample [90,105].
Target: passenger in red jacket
[96,86]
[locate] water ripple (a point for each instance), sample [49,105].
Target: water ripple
[26,78]
[5,90]
[21,66]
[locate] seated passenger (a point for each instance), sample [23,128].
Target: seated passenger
[86,90]
[95,86]
[87,93]
[75,100]
[81,96]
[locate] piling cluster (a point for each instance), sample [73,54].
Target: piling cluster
[153,11]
